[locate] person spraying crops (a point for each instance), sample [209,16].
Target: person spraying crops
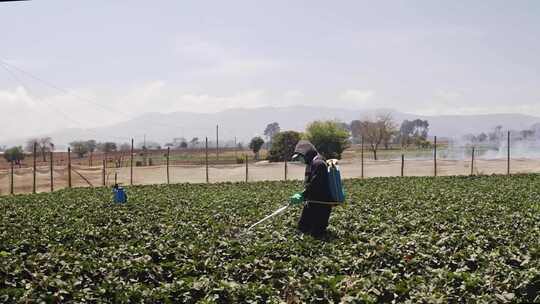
[321,192]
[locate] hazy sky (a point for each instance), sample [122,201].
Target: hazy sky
[124,58]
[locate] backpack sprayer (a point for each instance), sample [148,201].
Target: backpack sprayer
[336,192]
[119,194]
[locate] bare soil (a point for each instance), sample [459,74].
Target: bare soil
[351,168]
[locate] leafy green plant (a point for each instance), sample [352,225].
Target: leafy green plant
[447,239]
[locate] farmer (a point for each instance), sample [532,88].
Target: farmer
[314,219]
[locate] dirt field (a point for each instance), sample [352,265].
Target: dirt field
[256,172]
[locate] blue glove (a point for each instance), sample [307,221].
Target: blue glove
[297,199]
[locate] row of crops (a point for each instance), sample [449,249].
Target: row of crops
[448,239]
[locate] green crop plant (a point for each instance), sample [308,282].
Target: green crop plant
[446,239]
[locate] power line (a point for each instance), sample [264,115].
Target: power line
[107,109]
[85,99]
[53,107]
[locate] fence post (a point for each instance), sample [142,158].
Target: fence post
[34,169]
[247,166]
[115,178]
[103,171]
[472,161]
[51,169]
[362,158]
[217,142]
[285,169]
[11,181]
[435,157]
[206,160]
[69,167]
[402,164]
[508,155]
[90,159]
[168,155]
[131,165]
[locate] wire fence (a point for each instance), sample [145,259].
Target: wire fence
[208,165]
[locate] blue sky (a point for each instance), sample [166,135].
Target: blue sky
[124,58]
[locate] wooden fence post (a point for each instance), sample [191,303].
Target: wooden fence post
[34,169]
[168,174]
[247,166]
[217,142]
[51,169]
[362,158]
[90,160]
[402,164]
[508,155]
[235,149]
[285,169]
[472,161]
[435,157]
[69,167]
[104,171]
[131,165]
[206,160]
[11,181]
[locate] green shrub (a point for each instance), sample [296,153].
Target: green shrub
[329,137]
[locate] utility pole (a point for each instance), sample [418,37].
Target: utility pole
[217,142]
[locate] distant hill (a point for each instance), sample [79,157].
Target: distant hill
[246,123]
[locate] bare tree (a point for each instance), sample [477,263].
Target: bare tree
[388,128]
[376,132]
[43,145]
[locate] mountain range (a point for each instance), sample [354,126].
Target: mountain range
[246,123]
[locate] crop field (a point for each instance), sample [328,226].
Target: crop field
[413,239]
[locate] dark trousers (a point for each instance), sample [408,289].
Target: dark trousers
[314,219]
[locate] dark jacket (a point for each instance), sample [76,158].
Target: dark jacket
[314,219]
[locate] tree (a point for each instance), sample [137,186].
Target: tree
[482,137]
[255,145]
[388,128]
[107,147]
[125,147]
[43,145]
[328,137]
[412,131]
[79,147]
[283,144]
[375,132]
[271,130]
[371,132]
[356,130]
[149,145]
[183,145]
[14,154]
[91,145]
[194,142]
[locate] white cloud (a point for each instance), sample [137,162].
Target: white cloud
[211,58]
[357,97]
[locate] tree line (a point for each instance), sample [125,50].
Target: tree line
[331,138]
